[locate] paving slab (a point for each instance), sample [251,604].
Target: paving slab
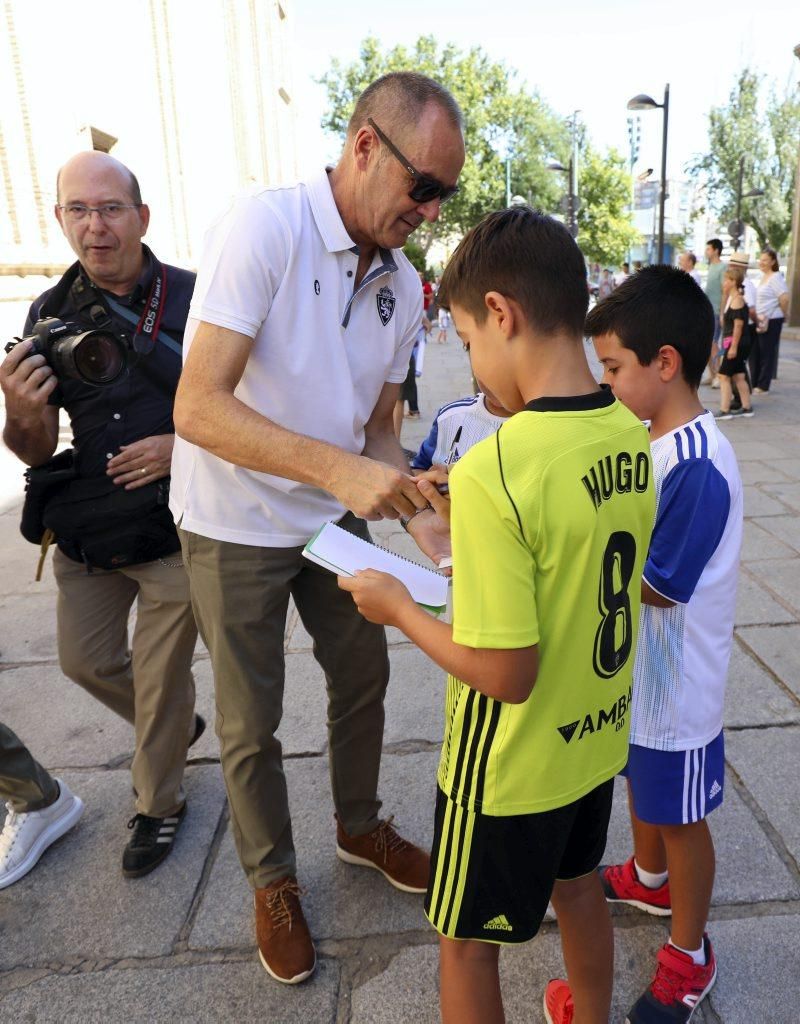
[761,472]
[342,901]
[779,649]
[408,989]
[785,528]
[753,698]
[767,762]
[754,605]
[20,559]
[787,493]
[201,994]
[758,978]
[788,467]
[758,450]
[750,868]
[76,904]
[29,627]
[84,733]
[758,544]
[783,579]
[758,503]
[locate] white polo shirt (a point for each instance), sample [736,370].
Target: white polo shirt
[279,267]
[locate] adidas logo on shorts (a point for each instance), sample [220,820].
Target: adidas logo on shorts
[715,790]
[498,924]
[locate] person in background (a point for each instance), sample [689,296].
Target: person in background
[687,262]
[716,268]
[622,274]
[445,320]
[735,335]
[772,302]
[606,285]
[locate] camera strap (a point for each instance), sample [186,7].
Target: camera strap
[96,306]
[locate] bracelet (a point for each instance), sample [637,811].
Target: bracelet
[405,520]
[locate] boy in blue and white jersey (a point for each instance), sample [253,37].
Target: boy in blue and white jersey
[653,336]
[458,426]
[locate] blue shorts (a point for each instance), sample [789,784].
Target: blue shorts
[676,787]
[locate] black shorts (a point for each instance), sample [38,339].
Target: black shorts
[491,877]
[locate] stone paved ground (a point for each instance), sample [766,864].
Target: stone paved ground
[80,943]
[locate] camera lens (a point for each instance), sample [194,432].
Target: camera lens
[95,357]
[99,358]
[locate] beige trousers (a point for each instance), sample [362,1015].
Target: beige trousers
[240,595]
[148,682]
[23,782]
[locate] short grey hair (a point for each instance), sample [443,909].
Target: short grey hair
[397,100]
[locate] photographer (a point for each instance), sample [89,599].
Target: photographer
[113,513]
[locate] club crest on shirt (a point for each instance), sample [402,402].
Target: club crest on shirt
[386,302]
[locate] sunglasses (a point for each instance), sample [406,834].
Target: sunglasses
[425,188]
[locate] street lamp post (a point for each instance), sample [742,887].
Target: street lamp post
[736,228]
[571,207]
[643,102]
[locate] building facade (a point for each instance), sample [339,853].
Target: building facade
[197,99]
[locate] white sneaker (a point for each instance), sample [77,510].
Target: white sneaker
[25,836]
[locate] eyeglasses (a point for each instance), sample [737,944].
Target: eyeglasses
[109,212]
[425,189]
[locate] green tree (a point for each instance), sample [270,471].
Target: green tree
[416,257]
[502,118]
[605,228]
[766,132]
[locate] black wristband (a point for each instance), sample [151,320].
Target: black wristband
[405,520]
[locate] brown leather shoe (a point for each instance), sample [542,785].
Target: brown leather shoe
[402,863]
[284,942]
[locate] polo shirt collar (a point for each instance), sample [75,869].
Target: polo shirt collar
[326,214]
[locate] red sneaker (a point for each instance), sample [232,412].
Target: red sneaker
[621,885]
[677,989]
[558,1005]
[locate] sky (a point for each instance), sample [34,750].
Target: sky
[579,55]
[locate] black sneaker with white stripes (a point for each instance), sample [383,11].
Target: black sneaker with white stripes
[150,843]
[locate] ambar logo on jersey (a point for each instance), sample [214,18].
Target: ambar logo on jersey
[592,723]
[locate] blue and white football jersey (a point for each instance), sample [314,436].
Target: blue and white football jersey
[683,651]
[456,428]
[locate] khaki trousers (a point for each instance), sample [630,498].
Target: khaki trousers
[23,782]
[240,596]
[148,683]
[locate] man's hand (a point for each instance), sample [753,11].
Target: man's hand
[379,597]
[142,462]
[27,382]
[375,490]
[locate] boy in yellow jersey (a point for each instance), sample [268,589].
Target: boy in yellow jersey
[551,518]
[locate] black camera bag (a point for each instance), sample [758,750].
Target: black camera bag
[41,484]
[106,527]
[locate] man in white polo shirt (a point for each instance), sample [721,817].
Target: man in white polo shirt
[299,337]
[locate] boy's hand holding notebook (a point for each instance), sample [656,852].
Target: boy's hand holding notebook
[345,554]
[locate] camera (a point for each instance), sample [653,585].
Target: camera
[96,357]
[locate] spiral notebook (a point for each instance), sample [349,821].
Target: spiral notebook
[343,553]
